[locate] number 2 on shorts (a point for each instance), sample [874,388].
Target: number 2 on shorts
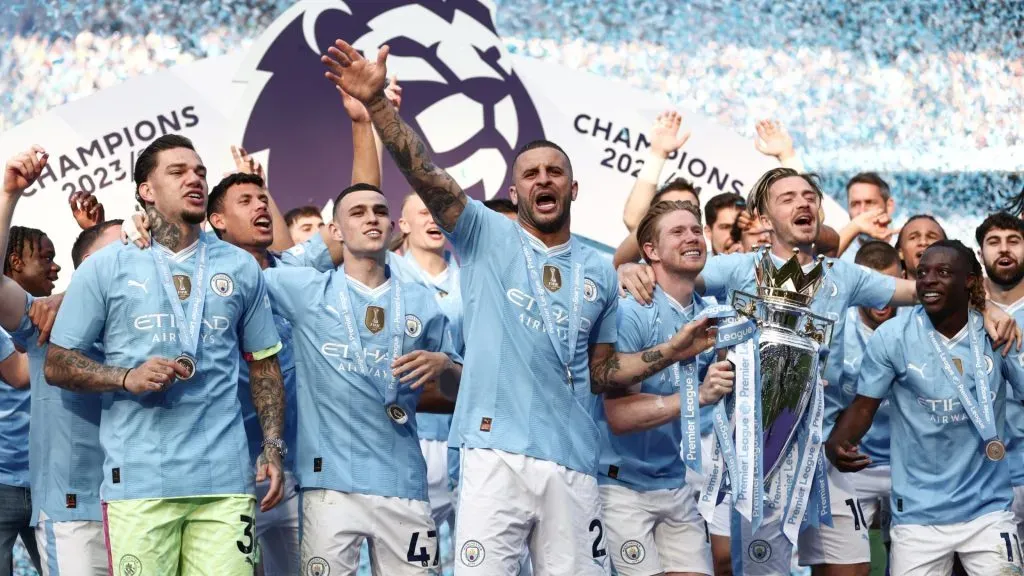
[596,548]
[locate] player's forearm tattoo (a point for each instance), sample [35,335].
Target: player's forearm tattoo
[267,386]
[163,231]
[442,195]
[74,371]
[610,375]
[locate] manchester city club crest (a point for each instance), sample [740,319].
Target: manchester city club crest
[317,566]
[130,565]
[633,552]
[413,326]
[222,285]
[183,285]
[589,290]
[552,278]
[760,551]
[472,554]
[374,319]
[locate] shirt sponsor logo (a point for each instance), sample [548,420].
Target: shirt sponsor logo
[164,328]
[531,318]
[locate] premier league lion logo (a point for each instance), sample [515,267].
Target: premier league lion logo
[460,93]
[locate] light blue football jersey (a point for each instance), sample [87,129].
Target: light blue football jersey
[650,459]
[346,441]
[65,457]
[514,394]
[312,253]
[1015,413]
[845,285]
[188,440]
[15,408]
[449,299]
[940,474]
[875,443]
[286,359]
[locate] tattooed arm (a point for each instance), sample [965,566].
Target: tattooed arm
[365,81]
[267,385]
[268,398]
[74,371]
[611,370]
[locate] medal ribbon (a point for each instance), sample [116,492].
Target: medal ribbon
[980,410]
[541,297]
[687,386]
[354,341]
[188,331]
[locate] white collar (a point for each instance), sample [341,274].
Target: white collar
[1011,308]
[365,290]
[180,256]
[544,249]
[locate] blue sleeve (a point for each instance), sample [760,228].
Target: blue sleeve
[632,327]
[605,331]
[312,253]
[83,313]
[288,288]
[259,333]
[477,230]
[869,288]
[720,275]
[6,345]
[26,329]
[1013,372]
[447,344]
[877,372]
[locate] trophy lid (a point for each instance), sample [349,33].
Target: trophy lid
[789,284]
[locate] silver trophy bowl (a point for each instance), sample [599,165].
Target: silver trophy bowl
[790,339]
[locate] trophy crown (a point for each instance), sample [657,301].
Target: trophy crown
[789,283]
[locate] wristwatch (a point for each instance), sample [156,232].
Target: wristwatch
[277,444]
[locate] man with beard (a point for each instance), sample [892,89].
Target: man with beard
[649,509]
[873,485]
[950,488]
[919,232]
[178,483]
[1001,239]
[788,204]
[525,415]
[870,205]
[721,213]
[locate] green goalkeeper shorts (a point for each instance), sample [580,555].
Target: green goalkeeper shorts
[200,536]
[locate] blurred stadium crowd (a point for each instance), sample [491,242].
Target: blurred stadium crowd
[927,92]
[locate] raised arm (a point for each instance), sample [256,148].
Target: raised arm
[364,80]
[665,140]
[611,370]
[19,173]
[773,140]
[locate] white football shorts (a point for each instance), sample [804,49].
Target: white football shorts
[400,533]
[509,500]
[277,530]
[987,545]
[74,548]
[656,531]
[846,541]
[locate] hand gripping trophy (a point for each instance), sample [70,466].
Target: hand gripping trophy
[768,438]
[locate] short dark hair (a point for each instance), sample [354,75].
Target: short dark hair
[873,179]
[720,201]
[216,199]
[88,237]
[759,193]
[301,212]
[899,238]
[998,221]
[357,187]
[533,145]
[146,161]
[977,294]
[675,185]
[501,205]
[877,255]
[18,238]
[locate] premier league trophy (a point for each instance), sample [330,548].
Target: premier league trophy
[790,344]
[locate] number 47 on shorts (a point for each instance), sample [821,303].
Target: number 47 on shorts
[419,553]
